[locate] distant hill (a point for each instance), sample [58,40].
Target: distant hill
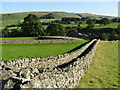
[56,15]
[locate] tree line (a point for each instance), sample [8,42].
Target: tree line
[32,26]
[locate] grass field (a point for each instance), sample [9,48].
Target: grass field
[112,25]
[103,71]
[10,22]
[16,51]
[15,22]
[48,20]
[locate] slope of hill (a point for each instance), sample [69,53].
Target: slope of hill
[56,15]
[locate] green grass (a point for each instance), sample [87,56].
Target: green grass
[14,16]
[103,71]
[17,51]
[10,22]
[112,25]
[19,38]
[48,20]
[14,28]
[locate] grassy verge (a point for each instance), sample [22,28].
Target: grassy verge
[17,51]
[103,71]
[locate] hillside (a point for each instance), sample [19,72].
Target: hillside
[56,15]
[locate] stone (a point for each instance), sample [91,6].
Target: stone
[44,72]
[20,80]
[25,73]
[6,73]
[8,83]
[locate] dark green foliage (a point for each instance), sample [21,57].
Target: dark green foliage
[70,19]
[119,26]
[85,18]
[79,25]
[113,36]
[115,19]
[5,32]
[45,23]
[109,36]
[105,36]
[80,22]
[47,17]
[73,32]
[32,26]
[55,29]
[16,33]
[91,24]
[105,21]
[76,22]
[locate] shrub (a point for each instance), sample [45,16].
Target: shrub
[55,29]
[105,36]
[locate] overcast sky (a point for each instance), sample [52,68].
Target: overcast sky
[110,7]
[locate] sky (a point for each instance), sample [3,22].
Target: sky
[99,8]
[59,0]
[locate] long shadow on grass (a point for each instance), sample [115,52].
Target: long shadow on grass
[83,54]
[78,47]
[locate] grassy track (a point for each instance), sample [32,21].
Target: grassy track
[103,71]
[16,51]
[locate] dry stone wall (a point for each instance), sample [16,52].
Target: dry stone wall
[65,71]
[48,62]
[35,41]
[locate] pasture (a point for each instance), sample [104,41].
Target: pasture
[103,71]
[15,22]
[17,51]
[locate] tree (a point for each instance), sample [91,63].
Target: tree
[5,32]
[118,27]
[55,29]
[76,22]
[91,24]
[105,21]
[32,26]
[72,32]
[113,36]
[115,19]
[79,25]
[105,36]
[85,18]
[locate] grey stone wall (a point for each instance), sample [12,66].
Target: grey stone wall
[51,61]
[62,71]
[35,41]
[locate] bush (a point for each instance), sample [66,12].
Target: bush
[91,24]
[55,29]
[5,32]
[113,36]
[104,36]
